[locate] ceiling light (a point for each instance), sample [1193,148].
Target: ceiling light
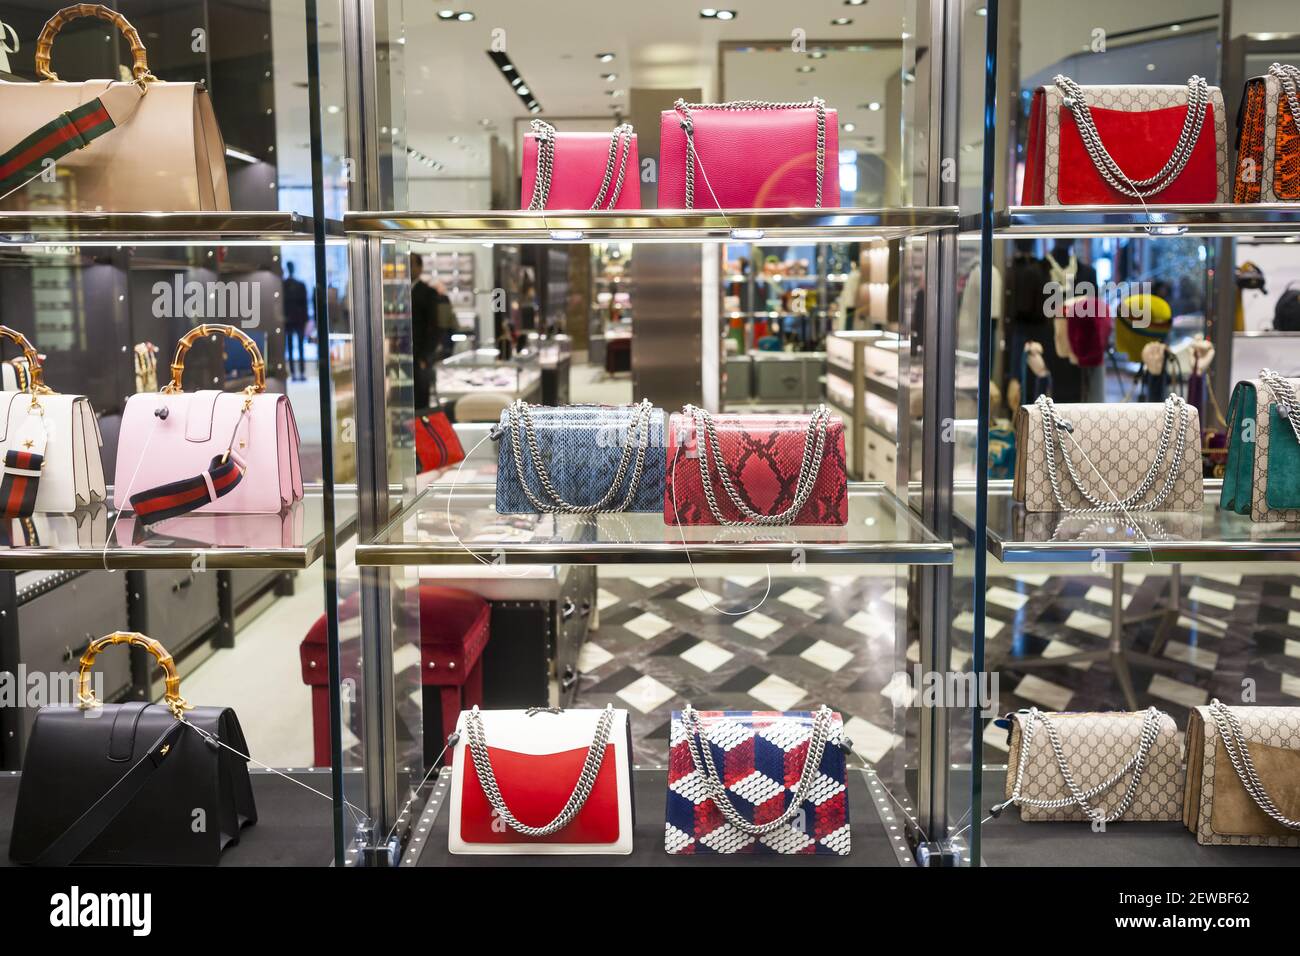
[331,109]
[507,68]
[855,3]
[464,16]
[841,21]
[613,92]
[522,91]
[708,12]
[609,77]
[604,57]
[446,14]
[817,55]
[874,106]
[517,82]
[1175,27]
[805,68]
[726,14]
[850,127]
[713,13]
[454,139]
[982,11]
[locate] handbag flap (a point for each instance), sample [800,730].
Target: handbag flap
[1272,735]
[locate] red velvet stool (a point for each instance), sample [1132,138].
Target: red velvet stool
[453,633]
[618,355]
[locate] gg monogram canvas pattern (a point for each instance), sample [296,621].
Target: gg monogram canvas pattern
[1132,99]
[1271,726]
[1121,442]
[760,756]
[1097,745]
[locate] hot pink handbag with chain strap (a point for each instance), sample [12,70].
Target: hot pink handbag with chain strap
[749,154]
[756,469]
[580,170]
[220,452]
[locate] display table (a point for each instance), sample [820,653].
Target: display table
[872,842]
[294,826]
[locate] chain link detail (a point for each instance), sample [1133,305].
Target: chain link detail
[1075,99]
[1289,78]
[1288,406]
[477,743]
[620,143]
[1136,765]
[687,121]
[1177,415]
[521,432]
[810,465]
[1234,742]
[702,757]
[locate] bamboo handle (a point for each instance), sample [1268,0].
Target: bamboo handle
[172,697]
[230,332]
[45,42]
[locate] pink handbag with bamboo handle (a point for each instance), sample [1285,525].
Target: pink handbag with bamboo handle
[219,452]
[580,170]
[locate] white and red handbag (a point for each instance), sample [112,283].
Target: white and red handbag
[580,170]
[49,444]
[1122,145]
[221,452]
[541,781]
[749,154]
[757,782]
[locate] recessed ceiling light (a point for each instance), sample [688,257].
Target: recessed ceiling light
[485,122]
[446,14]
[614,92]
[455,139]
[982,11]
[508,68]
[726,14]
[817,55]
[805,68]
[708,11]
[1151,67]
[604,57]
[609,77]
[332,109]
[464,16]
[855,3]
[841,21]
[1175,27]
[874,106]
[522,91]
[516,81]
[850,127]
[713,13]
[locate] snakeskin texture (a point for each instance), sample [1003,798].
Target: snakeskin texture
[1096,745]
[763,454]
[1259,508]
[1272,726]
[1252,144]
[760,755]
[580,447]
[1121,443]
[1130,99]
[1268,136]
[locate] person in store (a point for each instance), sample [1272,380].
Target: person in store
[294,296]
[1071,277]
[424,331]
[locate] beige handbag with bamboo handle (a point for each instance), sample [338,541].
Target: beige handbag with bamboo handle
[142,145]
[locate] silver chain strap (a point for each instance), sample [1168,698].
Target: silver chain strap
[717,789]
[809,468]
[521,432]
[477,743]
[1234,742]
[1075,99]
[620,142]
[1288,406]
[688,126]
[1289,78]
[1176,416]
[1136,765]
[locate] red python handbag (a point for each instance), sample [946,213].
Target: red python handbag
[1121,145]
[756,469]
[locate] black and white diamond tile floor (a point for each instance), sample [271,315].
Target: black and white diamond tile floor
[661,642]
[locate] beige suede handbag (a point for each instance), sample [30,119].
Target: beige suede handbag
[141,145]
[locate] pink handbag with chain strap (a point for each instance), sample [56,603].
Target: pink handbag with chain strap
[220,452]
[580,170]
[749,155]
[788,469]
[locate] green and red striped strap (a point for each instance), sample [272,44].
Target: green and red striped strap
[67,132]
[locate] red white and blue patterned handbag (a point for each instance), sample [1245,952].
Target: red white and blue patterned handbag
[753,781]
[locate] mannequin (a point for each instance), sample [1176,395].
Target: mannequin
[1073,276]
[1027,278]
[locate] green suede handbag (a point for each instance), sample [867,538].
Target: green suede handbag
[1262,474]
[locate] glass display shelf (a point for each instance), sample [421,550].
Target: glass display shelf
[651,225]
[1173,537]
[1154,221]
[160,228]
[98,538]
[876,831]
[463,527]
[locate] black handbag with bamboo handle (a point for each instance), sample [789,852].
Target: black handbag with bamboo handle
[134,783]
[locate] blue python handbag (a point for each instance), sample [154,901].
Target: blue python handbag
[580,459]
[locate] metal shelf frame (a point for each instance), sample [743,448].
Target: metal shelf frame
[1150,222]
[162,228]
